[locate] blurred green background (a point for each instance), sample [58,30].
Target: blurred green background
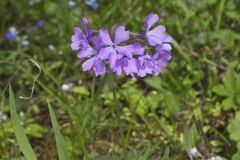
[194,103]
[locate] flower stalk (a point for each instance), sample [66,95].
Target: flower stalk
[118,114]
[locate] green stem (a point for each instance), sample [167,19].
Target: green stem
[118,116]
[219,14]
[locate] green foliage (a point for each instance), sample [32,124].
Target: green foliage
[62,150]
[190,137]
[18,129]
[234,130]
[230,89]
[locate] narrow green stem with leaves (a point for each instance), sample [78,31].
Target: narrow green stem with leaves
[117,109]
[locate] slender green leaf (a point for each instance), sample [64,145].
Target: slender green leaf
[22,140]
[172,103]
[190,137]
[62,150]
[229,80]
[166,154]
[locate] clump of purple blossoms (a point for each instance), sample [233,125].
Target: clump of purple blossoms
[127,52]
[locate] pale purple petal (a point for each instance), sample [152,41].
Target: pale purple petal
[96,40]
[121,35]
[142,73]
[126,68]
[85,53]
[129,50]
[151,19]
[113,59]
[132,63]
[148,67]
[138,49]
[78,31]
[157,35]
[88,64]
[119,65]
[75,46]
[125,50]
[99,68]
[85,24]
[105,37]
[164,46]
[104,53]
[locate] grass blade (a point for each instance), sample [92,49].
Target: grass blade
[62,150]
[22,140]
[166,154]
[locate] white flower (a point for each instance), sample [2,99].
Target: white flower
[71,4]
[13,30]
[51,47]
[21,114]
[4,117]
[25,43]
[194,152]
[216,158]
[67,87]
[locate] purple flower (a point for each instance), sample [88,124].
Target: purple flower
[80,40]
[112,50]
[145,65]
[122,54]
[93,4]
[161,58]
[191,1]
[129,65]
[94,60]
[154,64]
[40,23]
[157,35]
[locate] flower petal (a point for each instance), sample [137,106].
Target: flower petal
[125,50]
[96,40]
[138,49]
[119,65]
[121,35]
[99,68]
[156,36]
[75,46]
[113,59]
[105,37]
[88,64]
[78,31]
[104,53]
[85,52]
[151,19]
[132,63]
[85,24]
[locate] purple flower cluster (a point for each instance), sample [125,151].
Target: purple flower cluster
[127,53]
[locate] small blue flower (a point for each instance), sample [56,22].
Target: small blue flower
[71,4]
[92,4]
[11,35]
